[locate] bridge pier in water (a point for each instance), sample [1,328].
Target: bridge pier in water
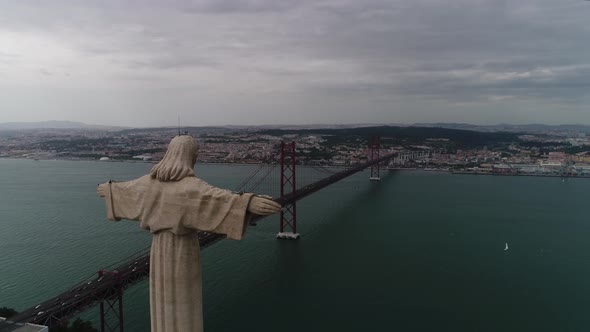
[288,225]
[375,150]
[114,304]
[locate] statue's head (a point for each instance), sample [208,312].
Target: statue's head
[179,160]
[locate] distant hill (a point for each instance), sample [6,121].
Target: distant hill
[309,126]
[511,128]
[52,125]
[524,128]
[405,135]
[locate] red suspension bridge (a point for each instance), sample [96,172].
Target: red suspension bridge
[106,289]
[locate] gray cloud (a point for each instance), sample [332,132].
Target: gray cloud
[243,6]
[266,60]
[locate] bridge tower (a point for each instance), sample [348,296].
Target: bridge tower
[288,228]
[114,304]
[375,148]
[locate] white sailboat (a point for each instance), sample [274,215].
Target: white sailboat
[506,246]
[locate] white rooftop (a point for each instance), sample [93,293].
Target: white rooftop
[19,327]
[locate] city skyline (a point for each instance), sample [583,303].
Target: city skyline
[300,63]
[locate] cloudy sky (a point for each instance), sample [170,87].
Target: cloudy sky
[215,62]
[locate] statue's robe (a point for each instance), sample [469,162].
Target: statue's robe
[173,212]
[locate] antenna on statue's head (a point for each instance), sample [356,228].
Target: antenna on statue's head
[179,125]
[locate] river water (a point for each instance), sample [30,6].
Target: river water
[419,251]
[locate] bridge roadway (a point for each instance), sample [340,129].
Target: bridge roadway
[92,291]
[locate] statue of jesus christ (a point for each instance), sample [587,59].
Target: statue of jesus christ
[173,204]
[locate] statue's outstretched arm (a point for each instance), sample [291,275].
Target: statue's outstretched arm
[263,206]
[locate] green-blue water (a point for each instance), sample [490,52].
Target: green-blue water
[420,251]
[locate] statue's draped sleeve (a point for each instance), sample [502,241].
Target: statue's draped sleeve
[180,207]
[123,200]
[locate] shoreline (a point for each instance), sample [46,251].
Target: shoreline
[527,175]
[122,161]
[434,170]
[155,162]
